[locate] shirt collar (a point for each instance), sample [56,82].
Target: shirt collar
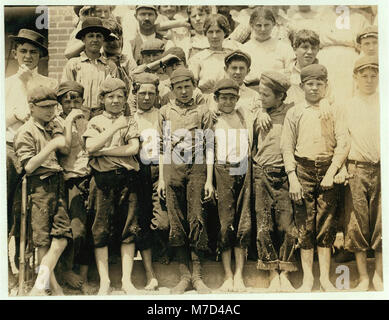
[48,127]
[111,116]
[84,57]
[140,111]
[190,103]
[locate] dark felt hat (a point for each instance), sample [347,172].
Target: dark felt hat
[93,24]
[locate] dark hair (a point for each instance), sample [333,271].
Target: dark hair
[193,82]
[20,42]
[262,12]
[237,58]
[304,35]
[59,98]
[114,26]
[136,87]
[277,93]
[206,9]
[219,20]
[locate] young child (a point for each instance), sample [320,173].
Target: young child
[112,141]
[186,179]
[363,225]
[231,163]
[313,149]
[276,232]
[29,48]
[145,89]
[77,175]
[90,69]
[36,143]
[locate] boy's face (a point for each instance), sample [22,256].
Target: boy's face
[93,41]
[268,98]
[367,80]
[27,54]
[183,90]
[262,28]
[71,100]
[168,11]
[237,70]
[146,96]
[43,114]
[114,101]
[306,54]
[171,67]
[314,90]
[369,46]
[197,19]
[146,18]
[226,102]
[151,56]
[102,12]
[113,47]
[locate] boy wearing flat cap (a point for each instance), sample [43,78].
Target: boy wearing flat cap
[182,165]
[367,41]
[112,141]
[314,148]
[36,143]
[77,175]
[90,69]
[145,90]
[276,231]
[232,182]
[29,48]
[363,220]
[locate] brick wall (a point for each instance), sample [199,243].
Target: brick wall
[61,24]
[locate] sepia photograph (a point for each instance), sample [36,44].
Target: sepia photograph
[180,150]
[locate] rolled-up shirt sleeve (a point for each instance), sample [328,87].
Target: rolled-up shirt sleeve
[25,147]
[289,141]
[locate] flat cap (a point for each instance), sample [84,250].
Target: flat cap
[370,31]
[275,81]
[238,54]
[176,51]
[67,86]
[42,96]
[146,77]
[366,62]
[181,74]
[110,85]
[146,7]
[227,86]
[152,45]
[313,71]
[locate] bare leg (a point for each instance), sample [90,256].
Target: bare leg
[361,260]
[377,278]
[240,257]
[102,267]
[274,278]
[286,286]
[128,252]
[228,284]
[151,282]
[324,263]
[85,288]
[307,265]
[49,259]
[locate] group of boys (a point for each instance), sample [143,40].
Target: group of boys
[108,168]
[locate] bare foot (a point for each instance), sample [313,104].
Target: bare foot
[363,285]
[239,284]
[326,285]
[37,292]
[377,282]
[286,286]
[87,289]
[129,288]
[72,279]
[200,287]
[105,288]
[57,291]
[227,286]
[152,284]
[307,284]
[275,285]
[181,287]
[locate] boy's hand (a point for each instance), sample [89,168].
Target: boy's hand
[342,176]
[263,120]
[74,115]
[208,191]
[24,73]
[120,123]
[296,192]
[339,240]
[59,142]
[327,182]
[84,12]
[161,189]
[325,109]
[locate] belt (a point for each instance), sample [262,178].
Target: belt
[119,171]
[313,163]
[269,169]
[364,163]
[228,165]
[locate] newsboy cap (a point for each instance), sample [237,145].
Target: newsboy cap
[365,62]
[67,86]
[146,77]
[275,81]
[227,86]
[110,85]
[42,96]
[313,71]
[238,54]
[370,31]
[181,74]
[152,45]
